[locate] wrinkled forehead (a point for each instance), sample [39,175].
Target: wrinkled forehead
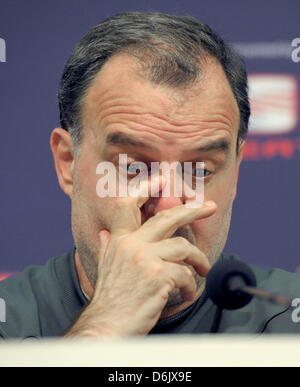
[121,88]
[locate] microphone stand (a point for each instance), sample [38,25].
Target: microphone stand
[237,283]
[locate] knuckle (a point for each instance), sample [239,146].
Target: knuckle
[157,269]
[166,291]
[182,242]
[124,245]
[187,271]
[139,255]
[165,214]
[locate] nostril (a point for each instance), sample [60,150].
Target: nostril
[149,208]
[154,205]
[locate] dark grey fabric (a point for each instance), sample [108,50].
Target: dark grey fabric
[44,301]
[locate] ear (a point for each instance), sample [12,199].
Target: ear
[62,149]
[238,162]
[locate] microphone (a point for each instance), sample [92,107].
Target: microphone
[232,284]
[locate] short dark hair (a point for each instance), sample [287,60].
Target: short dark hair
[170,49]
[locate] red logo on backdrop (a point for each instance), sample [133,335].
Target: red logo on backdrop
[5,275]
[274,100]
[274,103]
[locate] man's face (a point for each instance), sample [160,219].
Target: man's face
[121,109]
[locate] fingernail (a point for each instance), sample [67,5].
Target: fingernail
[157,178]
[210,203]
[163,180]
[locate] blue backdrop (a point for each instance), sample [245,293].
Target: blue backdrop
[37,38]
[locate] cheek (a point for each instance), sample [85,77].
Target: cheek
[222,196]
[93,210]
[221,190]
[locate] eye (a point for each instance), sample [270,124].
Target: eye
[196,170]
[134,168]
[200,172]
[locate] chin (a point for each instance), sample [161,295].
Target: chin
[174,299]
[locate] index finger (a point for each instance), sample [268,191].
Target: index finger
[165,223]
[127,214]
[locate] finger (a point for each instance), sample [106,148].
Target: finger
[181,277]
[181,250]
[165,223]
[127,214]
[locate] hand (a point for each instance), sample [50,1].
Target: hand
[139,265]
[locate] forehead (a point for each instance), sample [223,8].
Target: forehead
[120,92]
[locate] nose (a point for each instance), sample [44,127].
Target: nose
[154,205]
[166,198]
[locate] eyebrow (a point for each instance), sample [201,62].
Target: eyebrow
[119,138]
[220,145]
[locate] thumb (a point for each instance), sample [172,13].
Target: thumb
[104,237]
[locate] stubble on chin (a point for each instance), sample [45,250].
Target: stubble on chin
[89,261]
[175,296]
[217,247]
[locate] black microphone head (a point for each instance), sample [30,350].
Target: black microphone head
[217,284]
